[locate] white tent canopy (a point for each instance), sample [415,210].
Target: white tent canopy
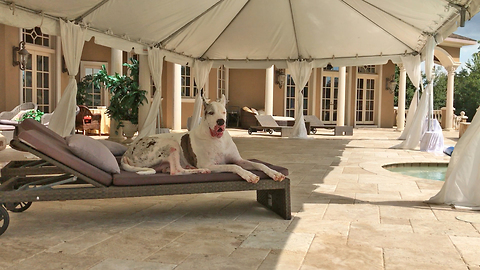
[253,33]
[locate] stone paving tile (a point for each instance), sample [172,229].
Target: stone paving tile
[453,228]
[313,225]
[405,209]
[469,248]
[49,261]
[356,188]
[401,259]
[397,236]
[333,254]
[132,244]
[167,256]
[355,212]
[282,260]
[297,242]
[119,264]
[240,259]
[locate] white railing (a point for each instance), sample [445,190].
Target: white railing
[437,114]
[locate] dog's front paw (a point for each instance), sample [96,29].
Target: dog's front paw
[278,177]
[252,178]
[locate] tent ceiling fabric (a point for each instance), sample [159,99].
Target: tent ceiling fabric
[262,32]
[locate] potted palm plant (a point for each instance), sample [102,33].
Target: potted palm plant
[126,97]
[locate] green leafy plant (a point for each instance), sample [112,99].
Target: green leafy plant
[126,96]
[83,86]
[34,114]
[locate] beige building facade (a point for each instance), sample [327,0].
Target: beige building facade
[368,102]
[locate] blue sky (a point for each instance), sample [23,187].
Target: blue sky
[471,30]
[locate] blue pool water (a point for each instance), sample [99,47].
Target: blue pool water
[421,171]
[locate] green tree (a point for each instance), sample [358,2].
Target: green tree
[439,88]
[467,87]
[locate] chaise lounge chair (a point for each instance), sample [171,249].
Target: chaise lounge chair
[10,119]
[268,124]
[315,123]
[60,175]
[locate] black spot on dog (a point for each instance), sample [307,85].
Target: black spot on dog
[151,143]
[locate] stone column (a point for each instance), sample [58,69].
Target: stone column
[116,62]
[402,85]
[177,97]
[449,102]
[342,72]
[144,83]
[269,90]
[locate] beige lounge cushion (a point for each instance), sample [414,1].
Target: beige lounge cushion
[133,179]
[60,152]
[93,152]
[117,149]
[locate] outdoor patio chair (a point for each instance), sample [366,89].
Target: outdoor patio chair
[268,124]
[10,119]
[85,120]
[315,123]
[60,175]
[22,108]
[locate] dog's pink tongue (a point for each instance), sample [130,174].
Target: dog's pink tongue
[217,131]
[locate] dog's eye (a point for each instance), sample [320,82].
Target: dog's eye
[211,113]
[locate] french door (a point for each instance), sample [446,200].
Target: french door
[37,80]
[365,101]
[329,99]
[290,97]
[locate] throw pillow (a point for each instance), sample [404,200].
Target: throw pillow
[93,152]
[117,149]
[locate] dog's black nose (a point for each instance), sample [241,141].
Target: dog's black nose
[220,122]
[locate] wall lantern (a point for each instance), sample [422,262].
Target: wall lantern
[280,77]
[20,55]
[390,84]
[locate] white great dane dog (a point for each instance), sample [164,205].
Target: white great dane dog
[208,147]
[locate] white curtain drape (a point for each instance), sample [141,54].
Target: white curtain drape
[412,65]
[300,71]
[462,180]
[73,38]
[432,140]
[413,137]
[155,63]
[201,70]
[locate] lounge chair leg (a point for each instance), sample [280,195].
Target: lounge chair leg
[278,200]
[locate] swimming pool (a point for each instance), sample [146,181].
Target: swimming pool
[432,171]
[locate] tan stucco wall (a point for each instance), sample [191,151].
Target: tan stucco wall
[247,88]
[167,93]
[278,99]
[10,75]
[453,51]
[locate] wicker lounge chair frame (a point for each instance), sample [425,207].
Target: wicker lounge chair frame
[266,123]
[48,179]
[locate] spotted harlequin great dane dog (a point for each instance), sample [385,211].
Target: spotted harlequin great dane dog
[206,148]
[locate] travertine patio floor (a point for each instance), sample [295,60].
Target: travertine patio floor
[348,213]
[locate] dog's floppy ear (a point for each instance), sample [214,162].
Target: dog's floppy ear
[205,103]
[223,100]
